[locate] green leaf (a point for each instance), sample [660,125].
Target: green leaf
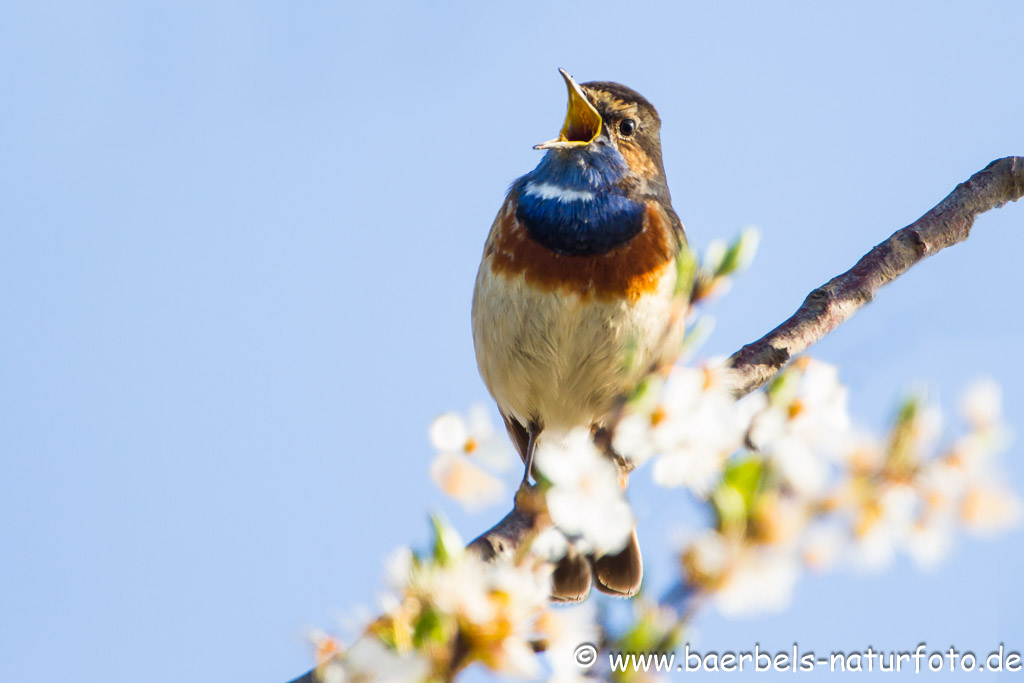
[714,256]
[740,253]
[902,457]
[686,271]
[734,496]
[745,476]
[429,628]
[645,397]
[782,389]
[729,506]
[448,545]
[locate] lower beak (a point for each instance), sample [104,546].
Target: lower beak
[582,122]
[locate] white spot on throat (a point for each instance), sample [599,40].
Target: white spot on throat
[562,194]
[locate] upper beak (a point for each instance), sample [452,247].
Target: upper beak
[582,122]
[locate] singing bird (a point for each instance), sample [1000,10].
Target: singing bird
[576,298]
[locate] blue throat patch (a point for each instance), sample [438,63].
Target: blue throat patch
[572,204]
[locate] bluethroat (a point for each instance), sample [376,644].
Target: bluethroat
[576,298]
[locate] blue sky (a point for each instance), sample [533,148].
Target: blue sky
[237,248]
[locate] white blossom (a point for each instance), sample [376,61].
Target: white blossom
[585,497]
[982,403]
[813,493]
[885,525]
[990,507]
[550,544]
[803,469]
[398,566]
[495,605]
[459,588]
[695,428]
[467,447]
[464,481]
[823,545]
[815,417]
[762,581]
[930,541]
[710,554]
[565,629]
[370,660]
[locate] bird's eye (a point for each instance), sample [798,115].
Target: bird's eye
[627,127]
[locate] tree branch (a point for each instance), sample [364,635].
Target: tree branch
[837,300]
[822,311]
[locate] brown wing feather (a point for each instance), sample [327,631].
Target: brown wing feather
[519,435]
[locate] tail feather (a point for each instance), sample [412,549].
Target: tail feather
[572,578]
[620,574]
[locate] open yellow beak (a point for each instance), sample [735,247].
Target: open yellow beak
[582,122]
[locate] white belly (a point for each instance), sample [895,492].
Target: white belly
[560,359]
